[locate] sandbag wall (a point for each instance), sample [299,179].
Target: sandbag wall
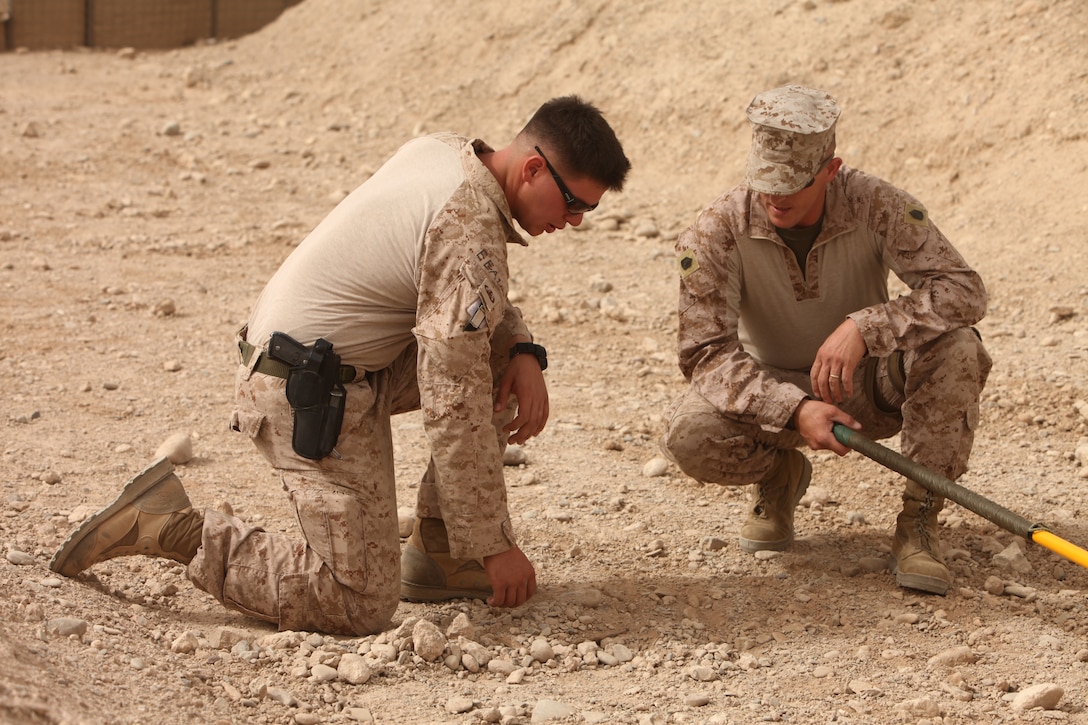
[46,24]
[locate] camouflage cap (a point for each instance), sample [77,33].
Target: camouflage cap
[793,131]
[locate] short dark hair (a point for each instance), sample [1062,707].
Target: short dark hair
[576,133]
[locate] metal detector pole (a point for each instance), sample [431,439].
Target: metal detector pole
[970,500]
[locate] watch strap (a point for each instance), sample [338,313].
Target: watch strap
[531,348]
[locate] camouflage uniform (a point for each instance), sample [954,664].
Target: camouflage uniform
[751,322]
[417,301]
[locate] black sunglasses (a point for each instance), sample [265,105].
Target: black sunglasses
[574,204]
[818,170]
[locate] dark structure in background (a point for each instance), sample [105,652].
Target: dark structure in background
[51,24]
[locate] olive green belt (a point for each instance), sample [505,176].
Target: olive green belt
[268,366]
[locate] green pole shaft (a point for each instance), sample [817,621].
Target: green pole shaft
[936,483]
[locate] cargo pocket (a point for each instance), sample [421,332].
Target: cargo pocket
[335,528]
[247,422]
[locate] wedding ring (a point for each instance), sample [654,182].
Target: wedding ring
[833,377]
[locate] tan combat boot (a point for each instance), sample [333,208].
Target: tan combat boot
[151,516]
[916,548]
[770,516]
[429,574]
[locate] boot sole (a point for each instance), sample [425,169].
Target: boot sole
[143,482]
[751,546]
[423,593]
[921,582]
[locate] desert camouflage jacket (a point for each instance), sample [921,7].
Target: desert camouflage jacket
[747,309]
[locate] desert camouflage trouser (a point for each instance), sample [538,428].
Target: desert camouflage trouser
[936,413]
[343,575]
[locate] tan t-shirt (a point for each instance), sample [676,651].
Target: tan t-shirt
[355,279]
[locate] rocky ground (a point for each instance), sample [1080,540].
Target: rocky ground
[147,196]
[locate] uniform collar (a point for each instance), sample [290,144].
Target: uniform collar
[482,179]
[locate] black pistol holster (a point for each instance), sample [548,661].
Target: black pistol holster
[314,391]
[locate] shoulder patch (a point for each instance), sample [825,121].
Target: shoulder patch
[915,214]
[688,263]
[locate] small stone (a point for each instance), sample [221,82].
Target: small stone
[599,284]
[591,598]
[226,637]
[322,673]
[540,650]
[19,558]
[994,585]
[164,308]
[178,448]
[655,467]
[514,455]
[863,687]
[606,658]
[185,643]
[702,673]
[545,710]
[1026,593]
[427,640]
[461,626]
[66,626]
[647,230]
[283,697]
[961,655]
[1012,559]
[1045,695]
[458,705]
[713,543]
[489,715]
[816,495]
[873,564]
[501,666]
[622,653]
[921,707]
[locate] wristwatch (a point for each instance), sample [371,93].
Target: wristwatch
[530,348]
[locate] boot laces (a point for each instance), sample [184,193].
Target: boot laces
[921,521]
[759,507]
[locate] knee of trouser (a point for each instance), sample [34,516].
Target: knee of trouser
[684,441]
[958,350]
[309,603]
